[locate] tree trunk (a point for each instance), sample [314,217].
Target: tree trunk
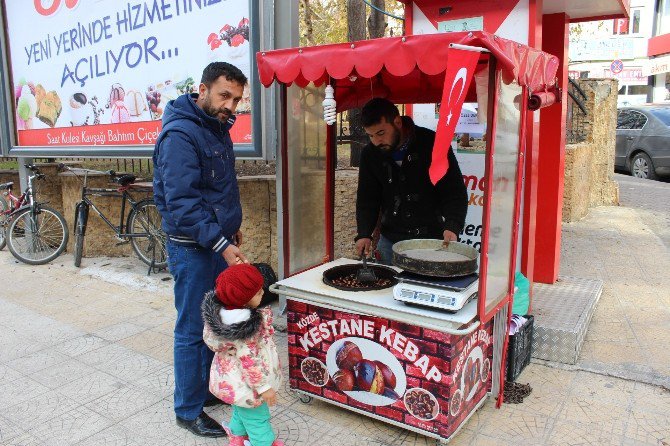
[356,31]
[377,20]
[309,28]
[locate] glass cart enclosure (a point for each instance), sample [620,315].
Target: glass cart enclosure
[501,213]
[306,181]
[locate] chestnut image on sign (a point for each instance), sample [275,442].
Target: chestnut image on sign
[486,368]
[344,380]
[421,404]
[348,356]
[389,377]
[390,393]
[314,371]
[369,377]
[455,403]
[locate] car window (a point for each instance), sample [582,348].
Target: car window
[625,119]
[622,90]
[663,114]
[639,120]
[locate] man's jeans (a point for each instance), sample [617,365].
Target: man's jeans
[194,270]
[385,249]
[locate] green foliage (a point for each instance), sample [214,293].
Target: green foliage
[329,21]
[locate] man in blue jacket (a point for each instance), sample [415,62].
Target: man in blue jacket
[196,193]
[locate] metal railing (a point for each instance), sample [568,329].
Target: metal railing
[142,166]
[576,129]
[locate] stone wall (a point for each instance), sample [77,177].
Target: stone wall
[589,165]
[10,175]
[259,225]
[346,184]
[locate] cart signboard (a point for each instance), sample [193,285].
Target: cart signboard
[100,73]
[421,379]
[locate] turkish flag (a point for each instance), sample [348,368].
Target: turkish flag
[461,66]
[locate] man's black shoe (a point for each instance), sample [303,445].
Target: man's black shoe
[203,426]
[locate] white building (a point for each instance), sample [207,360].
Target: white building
[616,48]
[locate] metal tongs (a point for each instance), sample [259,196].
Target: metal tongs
[365,274]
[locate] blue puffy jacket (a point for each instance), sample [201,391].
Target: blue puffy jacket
[195,185]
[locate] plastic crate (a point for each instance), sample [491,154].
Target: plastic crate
[519,349]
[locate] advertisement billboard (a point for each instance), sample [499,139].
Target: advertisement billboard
[98,73]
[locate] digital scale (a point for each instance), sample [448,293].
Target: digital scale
[449,294]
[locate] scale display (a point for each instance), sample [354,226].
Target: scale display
[444,297]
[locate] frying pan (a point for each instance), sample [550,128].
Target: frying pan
[430,257]
[336,272]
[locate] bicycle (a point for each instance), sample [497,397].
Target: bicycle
[142,227]
[34,232]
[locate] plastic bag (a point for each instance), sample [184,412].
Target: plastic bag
[521,294]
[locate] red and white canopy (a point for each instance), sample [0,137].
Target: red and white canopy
[405,70]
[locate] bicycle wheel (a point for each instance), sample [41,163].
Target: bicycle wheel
[37,237]
[80,218]
[147,237]
[4,217]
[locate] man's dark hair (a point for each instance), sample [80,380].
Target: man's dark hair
[376,109]
[215,70]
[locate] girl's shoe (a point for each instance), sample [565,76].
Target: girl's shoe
[277,443]
[236,440]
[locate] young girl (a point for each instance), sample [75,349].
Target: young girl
[245,372]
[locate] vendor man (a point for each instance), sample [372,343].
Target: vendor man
[393,178]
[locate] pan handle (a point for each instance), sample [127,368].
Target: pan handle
[303,297]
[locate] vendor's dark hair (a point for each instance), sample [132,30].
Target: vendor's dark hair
[376,109]
[215,70]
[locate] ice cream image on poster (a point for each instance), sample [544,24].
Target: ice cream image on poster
[470,377]
[231,44]
[80,109]
[366,371]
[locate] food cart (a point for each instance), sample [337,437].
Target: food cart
[392,352]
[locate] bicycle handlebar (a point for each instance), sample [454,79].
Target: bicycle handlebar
[106,172]
[32,168]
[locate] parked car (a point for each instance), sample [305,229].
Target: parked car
[632,95]
[643,140]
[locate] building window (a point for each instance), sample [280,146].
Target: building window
[636,22]
[664,17]
[626,26]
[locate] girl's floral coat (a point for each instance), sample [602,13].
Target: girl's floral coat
[246,362]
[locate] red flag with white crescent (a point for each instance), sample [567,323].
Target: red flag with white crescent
[461,66]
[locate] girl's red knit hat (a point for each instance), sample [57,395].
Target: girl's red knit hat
[237,284]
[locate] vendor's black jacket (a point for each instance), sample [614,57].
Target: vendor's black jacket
[411,207]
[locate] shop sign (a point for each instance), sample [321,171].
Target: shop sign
[657,65]
[605,49]
[460,25]
[102,72]
[472,166]
[471,161]
[408,374]
[627,75]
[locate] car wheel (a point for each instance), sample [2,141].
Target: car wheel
[642,167]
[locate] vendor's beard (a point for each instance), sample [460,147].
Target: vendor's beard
[395,144]
[222,114]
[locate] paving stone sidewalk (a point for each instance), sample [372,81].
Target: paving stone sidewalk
[86,355]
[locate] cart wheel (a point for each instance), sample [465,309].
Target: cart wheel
[305,399]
